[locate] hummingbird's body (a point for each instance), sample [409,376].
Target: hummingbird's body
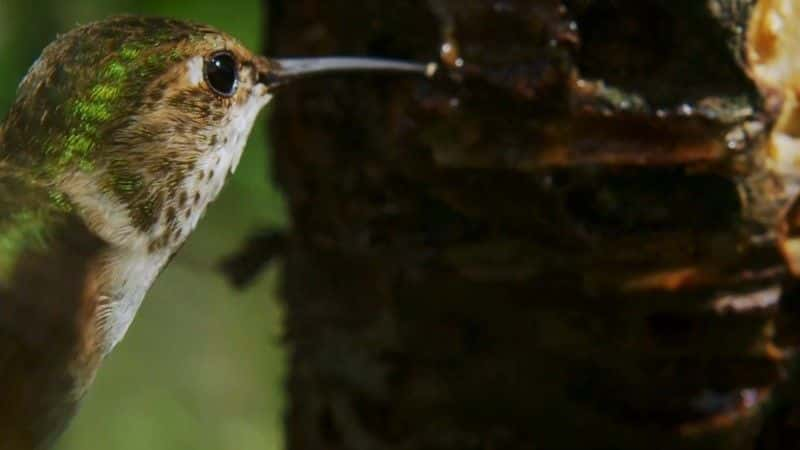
[47,355]
[110,154]
[121,134]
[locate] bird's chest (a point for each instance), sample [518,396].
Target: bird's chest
[118,285]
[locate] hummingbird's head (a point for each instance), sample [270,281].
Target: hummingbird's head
[138,122]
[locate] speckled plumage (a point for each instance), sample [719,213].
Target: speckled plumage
[109,156]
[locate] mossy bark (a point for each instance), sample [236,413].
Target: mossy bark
[566,242]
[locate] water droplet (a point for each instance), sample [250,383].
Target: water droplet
[449,54]
[736,139]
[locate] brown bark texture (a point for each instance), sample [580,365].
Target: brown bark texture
[566,240]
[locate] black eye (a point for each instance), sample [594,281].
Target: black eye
[221,74]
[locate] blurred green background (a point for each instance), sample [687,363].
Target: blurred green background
[202,366]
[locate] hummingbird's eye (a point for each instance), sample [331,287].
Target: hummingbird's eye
[221,73]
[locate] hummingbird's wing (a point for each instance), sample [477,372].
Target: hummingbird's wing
[45,252]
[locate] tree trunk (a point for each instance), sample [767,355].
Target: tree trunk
[567,241]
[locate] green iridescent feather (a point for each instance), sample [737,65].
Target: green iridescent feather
[101,81]
[64,112]
[29,213]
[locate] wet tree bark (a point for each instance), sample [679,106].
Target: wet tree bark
[564,243]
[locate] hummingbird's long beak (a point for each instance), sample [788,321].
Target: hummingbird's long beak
[282,71]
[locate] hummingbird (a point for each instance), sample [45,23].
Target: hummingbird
[121,134]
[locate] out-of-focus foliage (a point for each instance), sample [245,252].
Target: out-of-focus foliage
[201,367]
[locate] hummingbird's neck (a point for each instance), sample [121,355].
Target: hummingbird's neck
[119,283]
